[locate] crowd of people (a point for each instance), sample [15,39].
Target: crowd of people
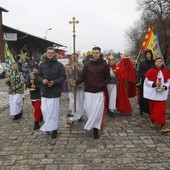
[95,88]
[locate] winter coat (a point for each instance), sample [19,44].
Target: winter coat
[51,70]
[95,75]
[70,75]
[144,67]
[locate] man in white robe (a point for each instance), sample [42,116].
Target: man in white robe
[51,78]
[112,86]
[15,81]
[95,75]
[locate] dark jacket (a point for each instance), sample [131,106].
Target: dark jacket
[51,70]
[95,75]
[34,94]
[144,67]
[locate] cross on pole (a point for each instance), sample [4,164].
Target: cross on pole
[74,32]
[74,51]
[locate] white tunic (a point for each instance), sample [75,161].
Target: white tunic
[15,104]
[112,91]
[50,111]
[151,93]
[79,104]
[94,109]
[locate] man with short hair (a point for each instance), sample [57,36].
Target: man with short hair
[95,75]
[51,77]
[156,87]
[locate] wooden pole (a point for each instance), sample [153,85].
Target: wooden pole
[137,58]
[74,51]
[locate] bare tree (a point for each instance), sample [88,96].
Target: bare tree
[133,38]
[155,13]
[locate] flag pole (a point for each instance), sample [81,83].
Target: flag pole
[2,64]
[138,57]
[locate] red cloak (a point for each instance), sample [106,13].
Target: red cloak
[128,73]
[122,101]
[153,73]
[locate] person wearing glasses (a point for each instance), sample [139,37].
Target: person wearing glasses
[51,76]
[95,75]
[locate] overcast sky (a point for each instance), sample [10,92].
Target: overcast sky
[101,22]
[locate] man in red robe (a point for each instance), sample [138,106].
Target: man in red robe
[156,87]
[128,73]
[121,96]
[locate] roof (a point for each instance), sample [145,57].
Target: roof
[3,9]
[22,34]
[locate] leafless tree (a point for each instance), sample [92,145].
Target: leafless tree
[157,14]
[133,37]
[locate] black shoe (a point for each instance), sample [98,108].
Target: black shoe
[36,126]
[107,111]
[41,119]
[80,120]
[141,113]
[16,117]
[112,114]
[20,115]
[96,133]
[54,134]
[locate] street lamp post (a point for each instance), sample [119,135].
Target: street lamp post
[46,32]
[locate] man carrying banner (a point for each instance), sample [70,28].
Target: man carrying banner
[143,68]
[15,81]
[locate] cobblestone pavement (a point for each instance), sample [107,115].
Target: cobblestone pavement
[3,94]
[127,143]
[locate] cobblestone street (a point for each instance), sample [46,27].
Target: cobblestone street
[3,94]
[128,142]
